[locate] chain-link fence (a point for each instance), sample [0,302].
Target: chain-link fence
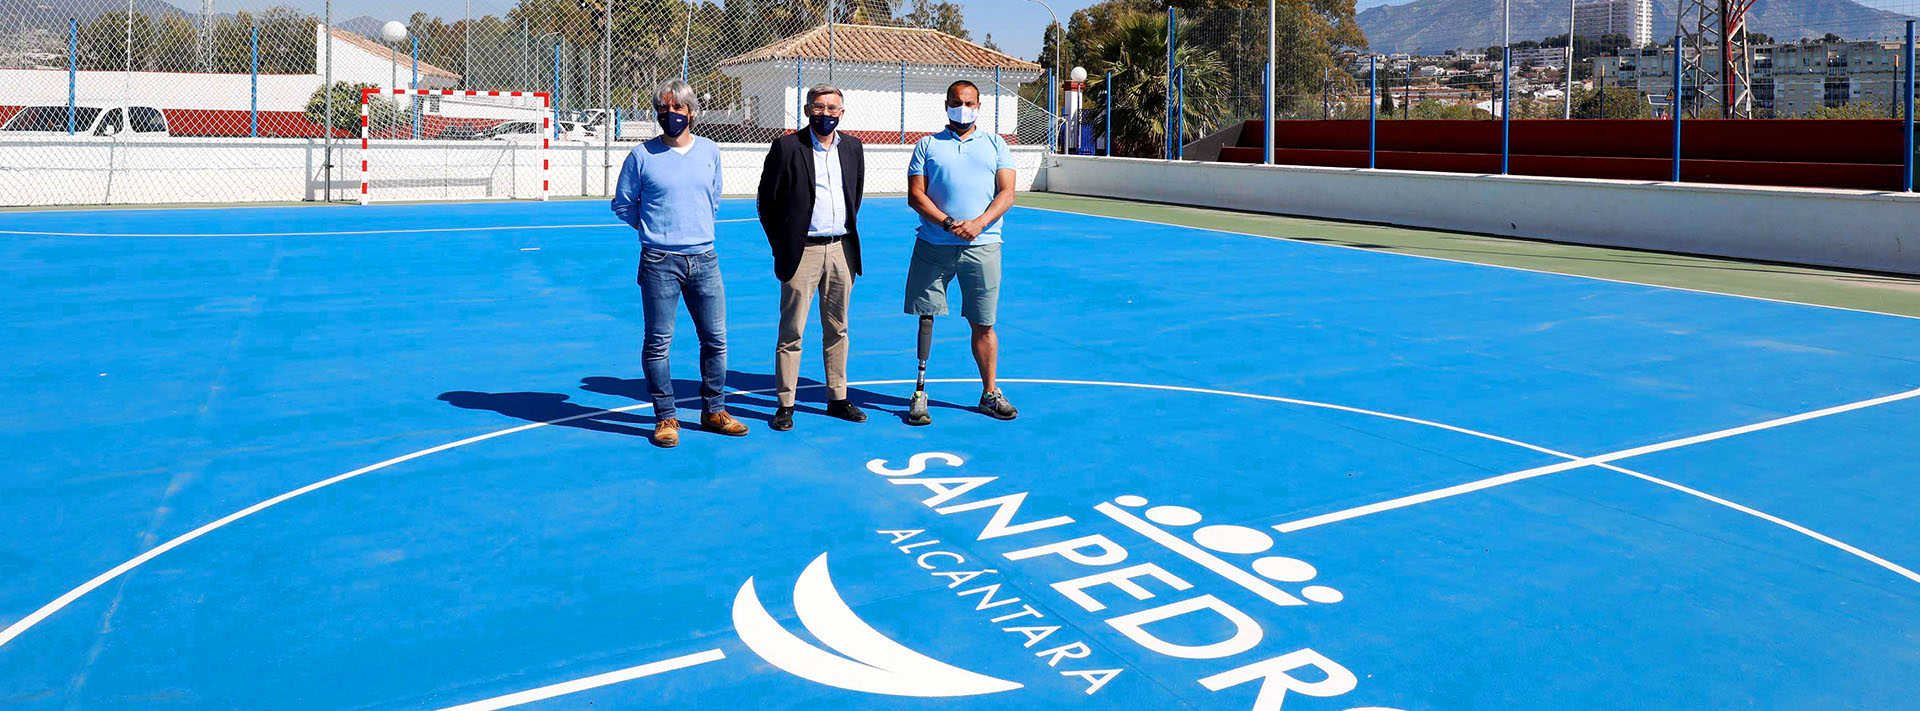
[106,101]
[1453,87]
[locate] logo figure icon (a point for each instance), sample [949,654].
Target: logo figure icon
[857,657]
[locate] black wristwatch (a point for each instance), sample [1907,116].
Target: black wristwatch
[947,223]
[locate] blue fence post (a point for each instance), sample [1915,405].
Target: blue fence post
[253,112]
[555,99]
[73,66]
[1180,117]
[1373,113]
[1266,90]
[903,102]
[616,124]
[415,83]
[1673,107]
[1906,177]
[1506,107]
[1108,116]
[1172,22]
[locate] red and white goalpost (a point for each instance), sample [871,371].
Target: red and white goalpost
[448,144]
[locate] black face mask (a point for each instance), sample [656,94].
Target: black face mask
[674,124]
[823,124]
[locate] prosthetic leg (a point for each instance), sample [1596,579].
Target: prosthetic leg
[917,412]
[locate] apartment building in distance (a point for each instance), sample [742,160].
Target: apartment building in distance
[1789,80]
[1633,18]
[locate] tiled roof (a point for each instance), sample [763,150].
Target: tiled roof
[381,50]
[873,43]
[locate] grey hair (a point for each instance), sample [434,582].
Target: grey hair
[682,93]
[819,90]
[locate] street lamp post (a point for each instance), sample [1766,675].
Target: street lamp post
[1059,37]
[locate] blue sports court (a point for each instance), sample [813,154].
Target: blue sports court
[396,458]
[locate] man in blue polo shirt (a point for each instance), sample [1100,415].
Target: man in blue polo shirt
[961,182]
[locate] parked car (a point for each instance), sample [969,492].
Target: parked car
[531,131]
[631,129]
[145,121]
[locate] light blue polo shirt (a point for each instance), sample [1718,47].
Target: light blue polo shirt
[960,173]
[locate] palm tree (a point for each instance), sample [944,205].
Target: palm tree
[1136,54]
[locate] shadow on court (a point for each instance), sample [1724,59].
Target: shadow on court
[548,407]
[809,399]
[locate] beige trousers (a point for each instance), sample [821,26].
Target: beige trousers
[823,269]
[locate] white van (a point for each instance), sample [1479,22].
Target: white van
[118,121]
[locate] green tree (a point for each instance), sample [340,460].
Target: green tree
[1450,110]
[1615,102]
[1136,54]
[346,108]
[105,41]
[1857,110]
[937,15]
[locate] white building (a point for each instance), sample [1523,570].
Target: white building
[1633,18]
[894,78]
[1540,57]
[356,60]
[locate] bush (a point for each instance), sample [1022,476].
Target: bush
[346,107]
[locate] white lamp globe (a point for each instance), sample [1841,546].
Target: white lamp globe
[1078,74]
[393,31]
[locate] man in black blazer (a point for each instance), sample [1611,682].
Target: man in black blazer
[809,200]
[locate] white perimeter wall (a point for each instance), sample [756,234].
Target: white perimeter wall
[1837,228]
[77,171]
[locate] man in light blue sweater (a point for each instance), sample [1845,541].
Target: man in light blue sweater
[669,190]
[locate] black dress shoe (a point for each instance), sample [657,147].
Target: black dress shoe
[846,410]
[782,419]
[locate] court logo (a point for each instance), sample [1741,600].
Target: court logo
[867,660]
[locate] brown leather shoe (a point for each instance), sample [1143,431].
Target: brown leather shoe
[666,432]
[722,423]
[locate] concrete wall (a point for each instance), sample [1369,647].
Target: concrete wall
[83,170]
[1838,228]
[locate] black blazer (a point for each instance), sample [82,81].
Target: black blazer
[786,197]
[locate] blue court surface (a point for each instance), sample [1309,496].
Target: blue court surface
[395,458]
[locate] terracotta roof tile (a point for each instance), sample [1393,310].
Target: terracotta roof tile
[874,43]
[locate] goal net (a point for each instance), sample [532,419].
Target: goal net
[446,144]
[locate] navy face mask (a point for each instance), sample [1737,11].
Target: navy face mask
[823,124]
[674,124]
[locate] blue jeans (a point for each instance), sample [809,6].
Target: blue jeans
[664,279]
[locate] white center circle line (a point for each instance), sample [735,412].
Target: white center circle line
[37,616]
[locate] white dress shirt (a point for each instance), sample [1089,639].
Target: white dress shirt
[829,197]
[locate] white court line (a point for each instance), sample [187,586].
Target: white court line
[421,230]
[21,626]
[592,682]
[1448,259]
[1503,479]
[1776,520]
[13,631]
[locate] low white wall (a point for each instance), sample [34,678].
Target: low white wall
[1837,228]
[61,170]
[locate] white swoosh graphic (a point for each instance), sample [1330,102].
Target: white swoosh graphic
[895,670]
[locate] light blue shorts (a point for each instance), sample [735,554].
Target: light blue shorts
[976,265]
